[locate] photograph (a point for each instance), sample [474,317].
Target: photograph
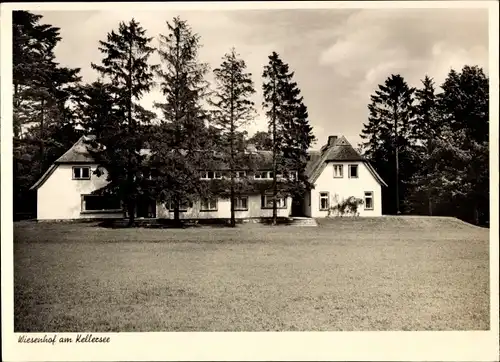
[249,169]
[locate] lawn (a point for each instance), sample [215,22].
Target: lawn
[365,274]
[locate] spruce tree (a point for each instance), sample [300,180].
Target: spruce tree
[232,110]
[388,138]
[427,129]
[184,140]
[289,127]
[129,76]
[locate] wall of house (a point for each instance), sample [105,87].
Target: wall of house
[59,197]
[224,210]
[342,188]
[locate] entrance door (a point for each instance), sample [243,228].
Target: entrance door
[297,209]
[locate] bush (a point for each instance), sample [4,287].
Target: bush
[347,207]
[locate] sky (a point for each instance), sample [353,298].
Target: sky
[339,56]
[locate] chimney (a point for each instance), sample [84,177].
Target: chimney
[331,140]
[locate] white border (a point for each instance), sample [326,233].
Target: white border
[388,346]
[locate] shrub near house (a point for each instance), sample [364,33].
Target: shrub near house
[344,184]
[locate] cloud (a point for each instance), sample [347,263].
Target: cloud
[339,56]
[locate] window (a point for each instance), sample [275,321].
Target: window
[183,206]
[81,173]
[241,174]
[264,175]
[208,204]
[267,202]
[338,171]
[210,175]
[324,201]
[368,200]
[353,171]
[241,203]
[98,203]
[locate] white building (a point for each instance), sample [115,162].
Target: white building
[337,172]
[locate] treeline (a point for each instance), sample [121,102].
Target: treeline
[200,127]
[432,146]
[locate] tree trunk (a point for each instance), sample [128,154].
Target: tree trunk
[231,141]
[177,220]
[130,176]
[42,144]
[131,213]
[233,217]
[275,188]
[476,213]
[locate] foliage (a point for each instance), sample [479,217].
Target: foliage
[232,110]
[262,141]
[454,176]
[346,207]
[184,142]
[43,124]
[389,139]
[122,133]
[288,125]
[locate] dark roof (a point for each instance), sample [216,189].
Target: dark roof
[78,153]
[339,150]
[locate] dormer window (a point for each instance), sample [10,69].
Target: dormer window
[353,171]
[338,171]
[81,173]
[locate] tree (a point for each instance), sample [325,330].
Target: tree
[232,110]
[183,138]
[289,127]
[464,107]
[388,137]
[262,141]
[43,124]
[297,139]
[122,137]
[428,127]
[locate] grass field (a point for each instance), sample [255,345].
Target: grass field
[364,274]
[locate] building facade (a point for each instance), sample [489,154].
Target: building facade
[337,173]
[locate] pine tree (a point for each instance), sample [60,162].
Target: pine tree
[184,138]
[118,147]
[232,110]
[388,137]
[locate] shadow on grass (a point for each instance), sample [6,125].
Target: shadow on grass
[185,223]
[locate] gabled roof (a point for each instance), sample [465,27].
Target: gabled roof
[44,177]
[78,153]
[338,150]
